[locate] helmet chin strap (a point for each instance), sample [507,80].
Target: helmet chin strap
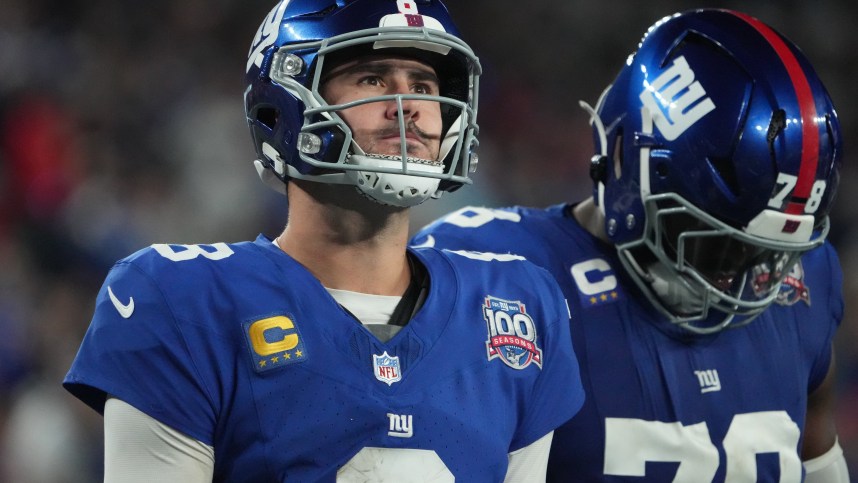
[268,177]
[451,137]
[680,297]
[687,300]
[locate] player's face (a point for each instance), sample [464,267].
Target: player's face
[376,124]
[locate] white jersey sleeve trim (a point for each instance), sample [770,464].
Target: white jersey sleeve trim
[827,468]
[530,463]
[139,449]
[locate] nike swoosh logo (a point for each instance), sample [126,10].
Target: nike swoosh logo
[124,310]
[430,242]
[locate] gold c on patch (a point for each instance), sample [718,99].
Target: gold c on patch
[274,342]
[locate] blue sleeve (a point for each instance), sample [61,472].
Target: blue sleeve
[141,356]
[833,314]
[558,393]
[836,292]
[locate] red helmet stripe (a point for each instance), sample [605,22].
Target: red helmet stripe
[807,108]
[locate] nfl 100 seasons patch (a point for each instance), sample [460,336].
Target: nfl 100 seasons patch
[511,333]
[792,289]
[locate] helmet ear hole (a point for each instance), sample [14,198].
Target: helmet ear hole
[267,116]
[726,172]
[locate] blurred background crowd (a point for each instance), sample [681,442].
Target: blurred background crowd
[122,125]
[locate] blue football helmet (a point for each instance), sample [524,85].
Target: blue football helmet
[298,135]
[718,165]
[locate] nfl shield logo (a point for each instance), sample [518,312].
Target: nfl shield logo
[386,368]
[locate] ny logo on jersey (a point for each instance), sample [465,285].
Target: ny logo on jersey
[709,380]
[386,368]
[670,96]
[400,425]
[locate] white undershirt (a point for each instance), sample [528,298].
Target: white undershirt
[373,311]
[368,309]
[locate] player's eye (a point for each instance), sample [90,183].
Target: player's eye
[424,88]
[371,80]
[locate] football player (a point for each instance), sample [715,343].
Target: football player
[333,352]
[704,296]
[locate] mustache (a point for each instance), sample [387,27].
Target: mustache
[410,127]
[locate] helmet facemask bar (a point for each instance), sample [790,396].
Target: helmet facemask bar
[691,265]
[330,117]
[327,143]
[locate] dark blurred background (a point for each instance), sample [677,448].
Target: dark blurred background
[122,125]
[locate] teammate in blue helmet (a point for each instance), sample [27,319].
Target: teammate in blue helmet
[334,352]
[704,296]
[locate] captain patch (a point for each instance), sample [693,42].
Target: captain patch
[274,342]
[596,282]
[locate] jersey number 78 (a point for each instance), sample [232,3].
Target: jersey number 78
[630,443]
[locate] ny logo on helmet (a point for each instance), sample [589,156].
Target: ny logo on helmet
[266,35]
[669,99]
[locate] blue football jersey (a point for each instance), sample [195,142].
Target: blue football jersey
[240,347]
[664,404]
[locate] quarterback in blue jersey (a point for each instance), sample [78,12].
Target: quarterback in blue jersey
[334,352]
[704,296]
